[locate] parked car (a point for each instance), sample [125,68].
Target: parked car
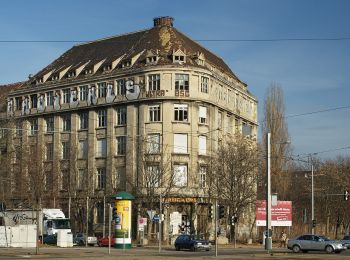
[346,241]
[80,239]
[104,241]
[305,243]
[191,243]
[50,239]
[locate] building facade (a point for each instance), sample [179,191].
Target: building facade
[140,112]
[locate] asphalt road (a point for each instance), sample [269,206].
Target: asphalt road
[168,253]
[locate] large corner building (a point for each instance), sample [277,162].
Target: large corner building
[96,109]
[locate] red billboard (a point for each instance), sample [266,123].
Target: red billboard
[281,214]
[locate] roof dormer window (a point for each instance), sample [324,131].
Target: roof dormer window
[107,67]
[126,63]
[55,77]
[151,59]
[40,80]
[71,74]
[179,56]
[88,71]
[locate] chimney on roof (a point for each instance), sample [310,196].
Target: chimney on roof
[163,21]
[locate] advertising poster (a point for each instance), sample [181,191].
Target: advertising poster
[281,214]
[123,222]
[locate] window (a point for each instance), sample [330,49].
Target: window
[34,101]
[83,149]
[102,89]
[220,120]
[180,143]
[229,124]
[83,93]
[50,124]
[64,182]
[18,103]
[152,176]
[202,177]
[81,179]
[154,113]
[121,145]
[181,112]
[49,152]
[154,82]
[151,59]
[121,87]
[65,150]
[246,129]
[121,116]
[102,118]
[119,178]
[236,125]
[153,143]
[202,145]
[33,126]
[180,175]
[18,128]
[49,98]
[202,115]
[84,120]
[101,178]
[101,148]
[204,84]
[66,123]
[66,95]
[179,58]
[181,82]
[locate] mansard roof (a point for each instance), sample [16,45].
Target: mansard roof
[163,39]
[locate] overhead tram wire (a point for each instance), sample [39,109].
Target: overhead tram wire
[346,38]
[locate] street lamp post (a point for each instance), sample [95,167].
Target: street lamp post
[312,199]
[268,239]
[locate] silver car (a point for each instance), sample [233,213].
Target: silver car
[306,243]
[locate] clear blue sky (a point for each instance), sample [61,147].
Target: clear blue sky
[314,74]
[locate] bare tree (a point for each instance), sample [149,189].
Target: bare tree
[156,177]
[274,122]
[232,175]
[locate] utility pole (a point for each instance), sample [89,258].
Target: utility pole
[312,199]
[268,240]
[160,222]
[216,226]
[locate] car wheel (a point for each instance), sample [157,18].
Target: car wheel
[177,248]
[193,248]
[81,243]
[329,249]
[296,249]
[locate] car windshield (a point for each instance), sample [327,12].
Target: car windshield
[61,223]
[324,238]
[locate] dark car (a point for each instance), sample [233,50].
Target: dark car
[191,243]
[50,239]
[346,241]
[104,241]
[308,242]
[80,240]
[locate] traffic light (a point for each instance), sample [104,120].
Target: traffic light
[234,219]
[211,211]
[221,211]
[346,195]
[314,223]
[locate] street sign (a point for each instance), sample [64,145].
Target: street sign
[156,218]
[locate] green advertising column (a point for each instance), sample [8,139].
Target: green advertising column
[122,217]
